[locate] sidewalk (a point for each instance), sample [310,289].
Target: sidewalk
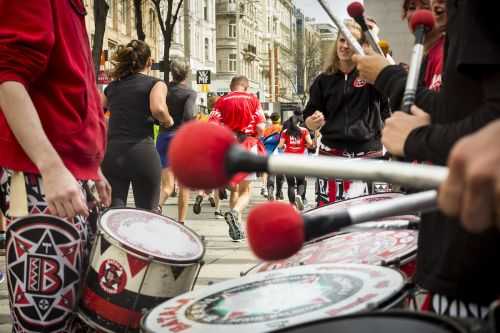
[223,259]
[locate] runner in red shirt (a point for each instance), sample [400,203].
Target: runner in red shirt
[295,140]
[242,113]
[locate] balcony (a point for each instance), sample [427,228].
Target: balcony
[250,52]
[224,8]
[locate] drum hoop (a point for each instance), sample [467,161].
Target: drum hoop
[90,322]
[142,255]
[429,317]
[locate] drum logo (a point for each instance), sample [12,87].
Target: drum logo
[43,276]
[359,83]
[112,276]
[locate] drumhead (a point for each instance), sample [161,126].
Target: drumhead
[374,247]
[265,301]
[387,322]
[152,235]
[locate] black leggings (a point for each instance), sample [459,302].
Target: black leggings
[275,180]
[301,187]
[136,163]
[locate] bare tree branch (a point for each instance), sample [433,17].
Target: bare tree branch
[138,20]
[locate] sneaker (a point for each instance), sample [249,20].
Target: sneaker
[299,203]
[263,192]
[271,197]
[235,231]
[218,215]
[222,194]
[212,201]
[197,204]
[279,195]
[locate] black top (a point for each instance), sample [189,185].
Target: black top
[128,102]
[353,111]
[180,101]
[450,260]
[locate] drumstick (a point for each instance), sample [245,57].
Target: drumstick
[353,43]
[276,231]
[212,163]
[18,197]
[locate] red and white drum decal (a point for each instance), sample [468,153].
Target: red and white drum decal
[112,276]
[152,234]
[363,247]
[43,271]
[261,302]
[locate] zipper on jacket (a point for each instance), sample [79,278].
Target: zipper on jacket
[346,118]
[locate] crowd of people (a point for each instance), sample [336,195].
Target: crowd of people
[55,138]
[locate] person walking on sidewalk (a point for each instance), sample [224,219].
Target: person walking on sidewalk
[242,113]
[181,103]
[134,99]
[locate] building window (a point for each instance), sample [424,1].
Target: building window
[232,1]
[207,49]
[232,62]
[152,24]
[232,28]
[205,10]
[123,11]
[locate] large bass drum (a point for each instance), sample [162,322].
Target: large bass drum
[139,259]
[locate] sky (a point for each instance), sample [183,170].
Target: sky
[312,8]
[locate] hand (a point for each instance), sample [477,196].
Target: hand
[315,121]
[63,193]
[472,189]
[103,189]
[370,65]
[399,126]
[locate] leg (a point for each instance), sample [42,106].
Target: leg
[234,215]
[290,180]
[167,185]
[183,203]
[146,171]
[233,197]
[280,179]
[299,201]
[117,175]
[243,196]
[271,179]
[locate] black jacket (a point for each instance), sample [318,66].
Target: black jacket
[452,261]
[353,110]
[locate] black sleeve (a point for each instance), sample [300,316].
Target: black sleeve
[189,107]
[434,142]
[315,101]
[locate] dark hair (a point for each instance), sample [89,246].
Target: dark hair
[275,117]
[238,80]
[293,128]
[130,59]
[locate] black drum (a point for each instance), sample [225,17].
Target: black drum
[381,322]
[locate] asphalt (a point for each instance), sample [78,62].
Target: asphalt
[223,260]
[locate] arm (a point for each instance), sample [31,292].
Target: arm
[158,104]
[309,142]
[434,142]
[189,107]
[281,144]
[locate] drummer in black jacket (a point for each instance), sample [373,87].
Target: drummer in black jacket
[461,269]
[349,113]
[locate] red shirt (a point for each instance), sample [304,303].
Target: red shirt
[44,46]
[434,69]
[240,111]
[295,145]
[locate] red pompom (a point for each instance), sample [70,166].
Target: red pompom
[275,231]
[422,17]
[197,154]
[355,9]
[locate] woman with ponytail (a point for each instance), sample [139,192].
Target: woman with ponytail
[135,100]
[295,139]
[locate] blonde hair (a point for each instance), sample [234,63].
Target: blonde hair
[179,70]
[332,64]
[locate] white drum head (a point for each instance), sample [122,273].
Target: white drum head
[152,234]
[371,247]
[271,300]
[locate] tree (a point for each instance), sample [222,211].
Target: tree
[138,20]
[312,59]
[101,8]
[167,25]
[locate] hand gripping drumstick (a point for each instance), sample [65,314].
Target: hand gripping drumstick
[343,29]
[211,162]
[421,23]
[277,231]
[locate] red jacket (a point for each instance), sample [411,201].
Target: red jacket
[44,46]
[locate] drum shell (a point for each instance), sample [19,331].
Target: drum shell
[149,282]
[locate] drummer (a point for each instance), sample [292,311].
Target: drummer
[52,129]
[455,265]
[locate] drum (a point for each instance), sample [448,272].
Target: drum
[396,248]
[378,322]
[267,301]
[139,259]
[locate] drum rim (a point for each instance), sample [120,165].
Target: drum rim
[34,216]
[389,313]
[90,322]
[392,298]
[146,256]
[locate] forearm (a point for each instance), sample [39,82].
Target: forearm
[25,123]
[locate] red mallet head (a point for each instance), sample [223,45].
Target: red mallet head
[275,231]
[355,9]
[422,17]
[197,154]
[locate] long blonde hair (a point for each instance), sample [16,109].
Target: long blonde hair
[332,65]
